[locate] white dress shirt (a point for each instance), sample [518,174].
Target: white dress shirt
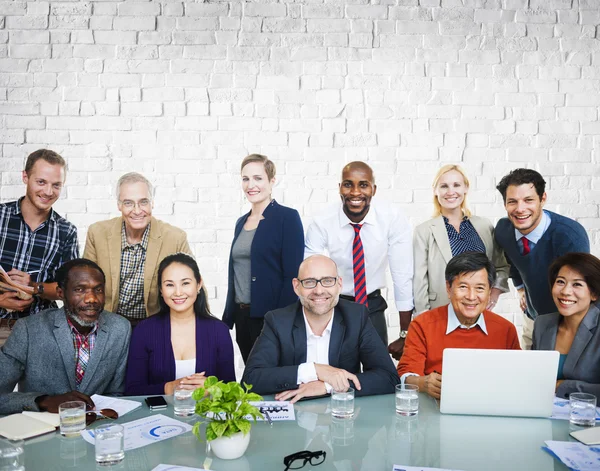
[386,236]
[317,351]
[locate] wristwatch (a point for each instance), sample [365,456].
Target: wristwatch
[39,288]
[403,334]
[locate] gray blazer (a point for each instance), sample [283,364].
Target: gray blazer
[39,355]
[582,366]
[432,253]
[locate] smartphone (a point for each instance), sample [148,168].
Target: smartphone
[156,402]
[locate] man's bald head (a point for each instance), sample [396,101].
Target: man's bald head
[360,166]
[356,190]
[323,286]
[314,263]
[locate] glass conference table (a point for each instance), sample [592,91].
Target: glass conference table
[374,440]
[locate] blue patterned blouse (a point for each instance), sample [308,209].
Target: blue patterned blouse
[467,240]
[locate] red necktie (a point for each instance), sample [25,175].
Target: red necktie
[526,248]
[358,260]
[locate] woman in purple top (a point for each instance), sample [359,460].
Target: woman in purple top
[183,344]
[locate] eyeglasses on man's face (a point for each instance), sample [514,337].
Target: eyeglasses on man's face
[299,459]
[311,283]
[142,204]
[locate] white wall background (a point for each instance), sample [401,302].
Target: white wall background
[182,91]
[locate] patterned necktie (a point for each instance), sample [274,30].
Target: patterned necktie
[526,248]
[82,360]
[358,260]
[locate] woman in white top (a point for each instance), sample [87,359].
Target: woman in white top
[452,231]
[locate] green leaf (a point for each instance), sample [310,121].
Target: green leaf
[210,381]
[210,434]
[218,427]
[244,425]
[253,397]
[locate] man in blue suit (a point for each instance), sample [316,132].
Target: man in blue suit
[319,343]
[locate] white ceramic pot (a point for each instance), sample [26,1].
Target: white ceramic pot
[230,448]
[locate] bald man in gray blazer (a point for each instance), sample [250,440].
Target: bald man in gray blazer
[582,365]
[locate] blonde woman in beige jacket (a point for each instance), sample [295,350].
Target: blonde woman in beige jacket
[453,230]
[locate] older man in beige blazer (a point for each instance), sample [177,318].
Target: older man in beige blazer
[129,249]
[432,253]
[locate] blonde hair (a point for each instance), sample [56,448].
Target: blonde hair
[263,159]
[437,208]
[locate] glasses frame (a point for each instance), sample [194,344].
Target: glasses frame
[141,204]
[93,415]
[320,280]
[305,455]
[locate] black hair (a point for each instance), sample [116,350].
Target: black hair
[62,274]
[585,264]
[201,308]
[522,176]
[469,262]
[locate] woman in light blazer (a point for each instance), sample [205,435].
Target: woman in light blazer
[266,252]
[574,331]
[452,231]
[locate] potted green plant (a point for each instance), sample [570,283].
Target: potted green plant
[226,409]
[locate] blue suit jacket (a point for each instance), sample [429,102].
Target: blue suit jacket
[582,366]
[273,363]
[276,254]
[39,355]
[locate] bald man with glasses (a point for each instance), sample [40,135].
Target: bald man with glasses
[319,343]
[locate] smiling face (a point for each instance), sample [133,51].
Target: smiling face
[83,295]
[179,288]
[135,204]
[469,295]
[44,184]
[524,207]
[256,184]
[318,301]
[571,293]
[356,190]
[450,190]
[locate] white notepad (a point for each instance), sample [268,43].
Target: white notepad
[591,436]
[21,426]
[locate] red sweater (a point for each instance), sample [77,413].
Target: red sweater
[427,339]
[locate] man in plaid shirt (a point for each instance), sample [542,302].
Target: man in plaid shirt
[34,239]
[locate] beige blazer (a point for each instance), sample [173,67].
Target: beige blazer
[432,253]
[103,246]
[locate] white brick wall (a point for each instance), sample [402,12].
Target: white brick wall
[182,91]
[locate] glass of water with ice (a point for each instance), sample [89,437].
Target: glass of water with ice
[407,399]
[183,402]
[109,445]
[72,418]
[342,403]
[582,409]
[11,455]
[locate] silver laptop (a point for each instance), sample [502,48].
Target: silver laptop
[515,383]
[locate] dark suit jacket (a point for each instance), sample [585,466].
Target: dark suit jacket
[582,366]
[276,254]
[151,363]
[273,363]
[39,355]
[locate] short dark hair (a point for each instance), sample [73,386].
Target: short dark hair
[201,308]
[44,154]
[62,274]
[469,262]
[522,176]
[585,264]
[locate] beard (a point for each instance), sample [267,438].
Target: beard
[319,310]
[78,320]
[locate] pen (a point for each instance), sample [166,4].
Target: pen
[269,418]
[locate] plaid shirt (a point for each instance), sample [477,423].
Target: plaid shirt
[131,290]
[39,252]
[83,344]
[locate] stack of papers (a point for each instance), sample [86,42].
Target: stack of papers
[121,406]
[575,455]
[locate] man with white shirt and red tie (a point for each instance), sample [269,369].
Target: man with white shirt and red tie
[363,238]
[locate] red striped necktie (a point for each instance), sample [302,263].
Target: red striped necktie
[526,248]
[358,260]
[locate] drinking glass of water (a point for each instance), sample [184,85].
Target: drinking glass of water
[183,402]
[583,409]
[11,455]
[109,445]
[407,399]
[342,403]
[72,418]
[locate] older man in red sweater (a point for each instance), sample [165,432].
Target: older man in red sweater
[464,323]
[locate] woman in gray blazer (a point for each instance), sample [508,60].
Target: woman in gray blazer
[452,231]
[574,330]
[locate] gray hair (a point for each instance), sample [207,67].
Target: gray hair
[134,177]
